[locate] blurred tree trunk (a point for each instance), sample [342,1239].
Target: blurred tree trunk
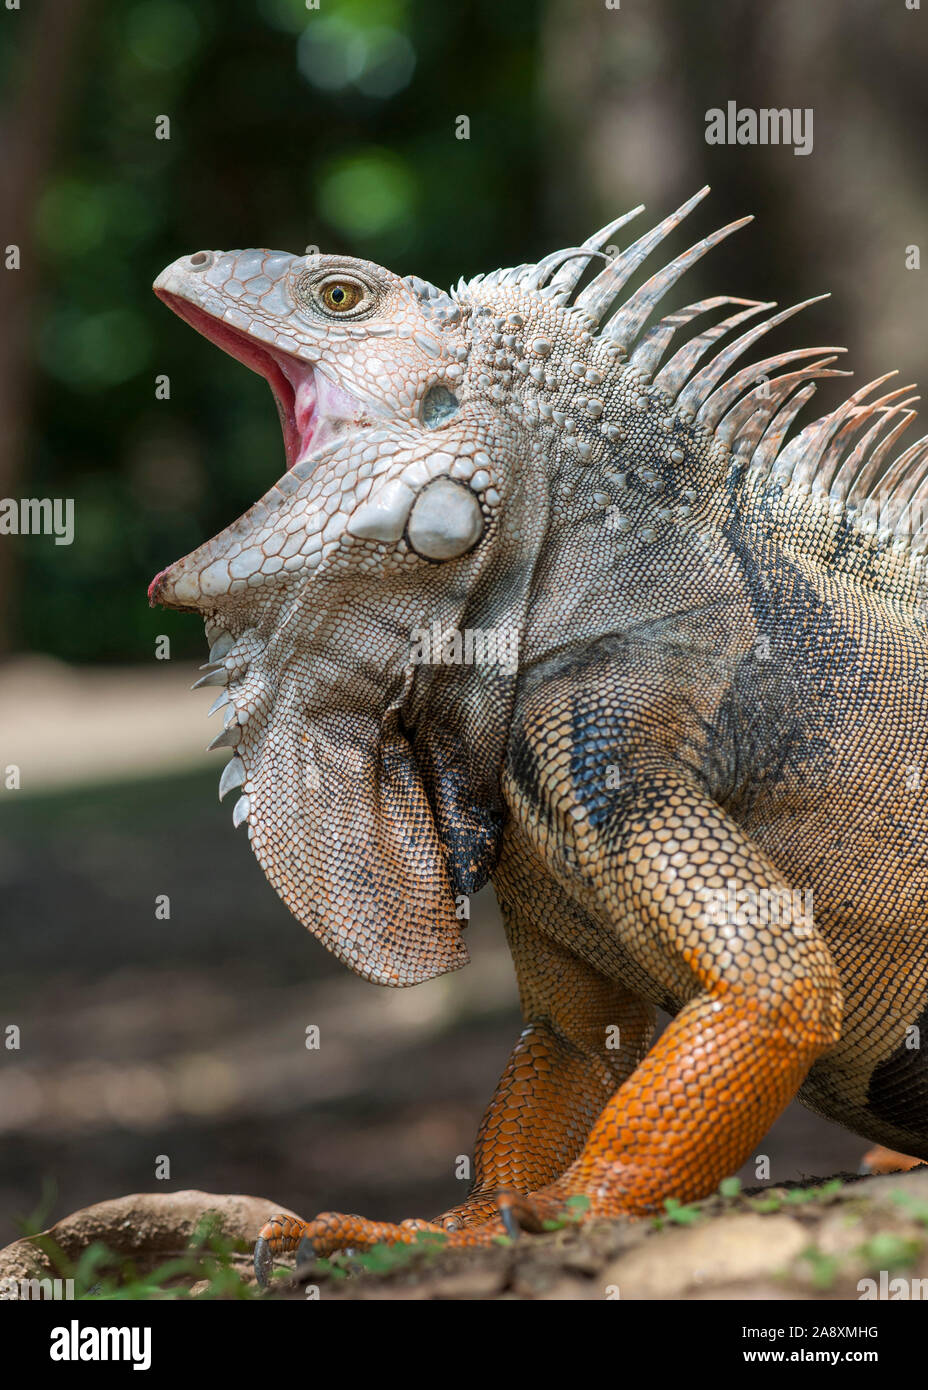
[29,120]
[626,92]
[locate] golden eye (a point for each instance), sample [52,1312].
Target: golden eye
[341,295]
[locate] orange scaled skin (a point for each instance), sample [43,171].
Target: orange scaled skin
[881,1160]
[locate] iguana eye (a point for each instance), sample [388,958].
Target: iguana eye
[341,296]
[341,293]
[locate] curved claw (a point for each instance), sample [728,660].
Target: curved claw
[305,1252]
[511,1222]
[264,1263]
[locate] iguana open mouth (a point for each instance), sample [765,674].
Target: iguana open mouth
[291,379]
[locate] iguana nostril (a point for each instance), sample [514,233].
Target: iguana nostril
[201,260]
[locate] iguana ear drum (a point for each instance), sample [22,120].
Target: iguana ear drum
[446,520]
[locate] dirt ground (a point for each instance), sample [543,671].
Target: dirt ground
[851,1238]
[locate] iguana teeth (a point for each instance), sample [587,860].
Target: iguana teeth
[233,775]
[220,677]
[240,811]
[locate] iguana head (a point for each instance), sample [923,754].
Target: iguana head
[505,460]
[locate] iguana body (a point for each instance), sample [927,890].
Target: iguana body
[716,702]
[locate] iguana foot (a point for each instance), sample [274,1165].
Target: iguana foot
[474,1211]
[482,1221]
[331,1231]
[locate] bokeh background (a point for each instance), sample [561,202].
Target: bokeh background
[143,1036]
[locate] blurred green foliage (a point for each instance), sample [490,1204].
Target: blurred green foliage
[336,127]
[288,127]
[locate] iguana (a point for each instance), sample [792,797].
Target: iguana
[551,597]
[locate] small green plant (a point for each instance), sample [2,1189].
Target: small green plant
[887,1250]
[575,1208]
[678,1214]
[824,1267]
[579,1203]
[766,1205]
[800,1196]
[382,1259]
[917,1207]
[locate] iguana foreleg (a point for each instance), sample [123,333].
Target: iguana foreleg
[584,1035]
[760,1000]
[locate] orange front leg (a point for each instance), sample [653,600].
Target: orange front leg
[762,992]
[689,1116]
[585,1034]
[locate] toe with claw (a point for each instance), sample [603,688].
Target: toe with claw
[507,1214]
